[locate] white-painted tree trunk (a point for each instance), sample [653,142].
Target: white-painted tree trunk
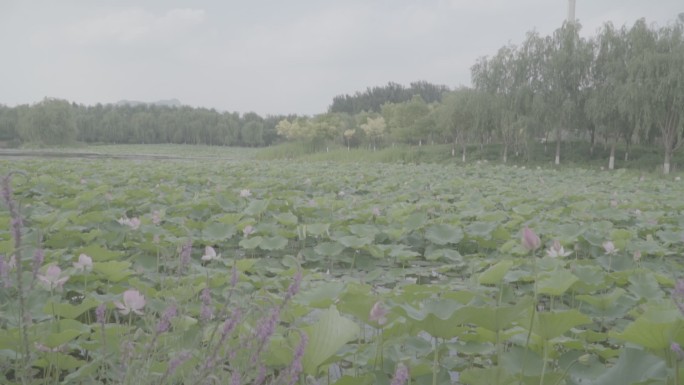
[611,160]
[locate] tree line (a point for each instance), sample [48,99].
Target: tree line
[58,122]
[623,84]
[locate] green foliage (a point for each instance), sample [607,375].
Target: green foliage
[436,246]
[50,122]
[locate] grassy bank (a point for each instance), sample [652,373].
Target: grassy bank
[573,154]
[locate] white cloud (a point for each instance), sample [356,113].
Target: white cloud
[131,26]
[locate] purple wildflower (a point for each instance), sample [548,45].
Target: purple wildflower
[177,361]
[294,286]
[100,313]
[261,376]
[230,323]
[165,322]
[234,276]
[267,325]
[206,313]
[401,375]
[678,295]
[38,258]
[235,378]
[678,350]
[4,272]
[16,222]
[186,251]
[296,366]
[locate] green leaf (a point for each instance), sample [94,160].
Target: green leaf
[552,324]
[437,317]
[655,329]
[216,232]
[251,243]
[113,271]
[602,301]
[330,333]
[59,361]
[494,318]
[256,207]
[67,310]
[415,221]
[322,295]
[634,367]
[481,229]
[317,229]
[286,219]
[443,234]
[328,249]
[366,379]
[273,243]
[556,282]
[495,273]
[644,284]
[486,376]
[354,242]
[98,253]
[363,230]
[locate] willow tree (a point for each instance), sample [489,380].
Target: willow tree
[508,77]
[456,116]
[605,103]
[656,83]
[564,75]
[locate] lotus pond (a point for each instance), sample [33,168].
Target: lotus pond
[240,271]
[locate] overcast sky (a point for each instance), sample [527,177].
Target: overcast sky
[270,57]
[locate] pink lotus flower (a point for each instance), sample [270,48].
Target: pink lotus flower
[530,240]
[609,247]
[376,212]
[156,217]
[248,230]
[378,313]
[133,223]
[557,250]
[52,279]
[210,254]
[85,263]
[133,301]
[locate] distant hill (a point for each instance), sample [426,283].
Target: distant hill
[163,103]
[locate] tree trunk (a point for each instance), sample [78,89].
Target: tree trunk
[666,164]
[558,144]
[611,160]
[546,141]
[453,150]
[505,154]
[463,158]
